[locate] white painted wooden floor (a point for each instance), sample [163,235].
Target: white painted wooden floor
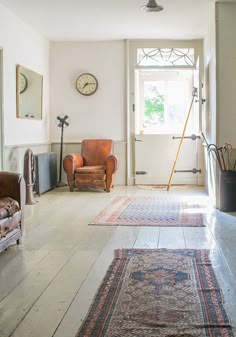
[47,283]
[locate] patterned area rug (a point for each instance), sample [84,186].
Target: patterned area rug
[150,211]
[153,293]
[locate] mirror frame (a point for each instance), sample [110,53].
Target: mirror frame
[25,77]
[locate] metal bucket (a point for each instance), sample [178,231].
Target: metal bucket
[227,191]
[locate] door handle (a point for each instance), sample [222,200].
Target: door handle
[194,171]
[140,172]
[193,137]
[138,140]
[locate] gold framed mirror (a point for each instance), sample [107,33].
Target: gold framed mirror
[29,93]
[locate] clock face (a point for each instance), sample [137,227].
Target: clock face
[23,83]
[86,84]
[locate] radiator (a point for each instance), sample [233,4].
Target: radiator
[45,172]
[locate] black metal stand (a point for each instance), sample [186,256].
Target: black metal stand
[61,124]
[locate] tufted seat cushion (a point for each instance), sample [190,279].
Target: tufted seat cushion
[90,170]
[8,207]
[10,215]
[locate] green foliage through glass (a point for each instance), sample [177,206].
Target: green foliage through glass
[153,104]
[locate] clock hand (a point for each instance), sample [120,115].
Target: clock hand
[88,83]
[85,85]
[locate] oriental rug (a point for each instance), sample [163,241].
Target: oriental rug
[151,211]
[158,293]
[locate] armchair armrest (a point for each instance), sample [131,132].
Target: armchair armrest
[112,163]
[12,185]
[70,163]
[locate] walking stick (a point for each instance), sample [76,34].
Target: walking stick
[182,138]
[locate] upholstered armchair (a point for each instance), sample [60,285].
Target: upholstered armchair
[12,203]
[95,167]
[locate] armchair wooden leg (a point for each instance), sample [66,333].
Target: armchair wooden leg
[71,186]
[19,241]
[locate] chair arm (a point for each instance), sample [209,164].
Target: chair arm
[112,163]
[13,185]
[71,162]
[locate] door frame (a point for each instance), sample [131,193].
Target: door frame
[131,52]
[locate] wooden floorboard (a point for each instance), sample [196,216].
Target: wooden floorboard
[48,283]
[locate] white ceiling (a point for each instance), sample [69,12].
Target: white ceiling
[74,20]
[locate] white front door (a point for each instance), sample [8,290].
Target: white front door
[163,100]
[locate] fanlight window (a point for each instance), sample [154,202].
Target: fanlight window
[165,57]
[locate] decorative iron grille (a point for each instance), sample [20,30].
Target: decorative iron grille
[165,57]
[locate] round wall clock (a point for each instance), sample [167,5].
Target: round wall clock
[23,83]
[86,84]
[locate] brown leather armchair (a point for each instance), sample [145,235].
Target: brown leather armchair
[12,201]
[95,167]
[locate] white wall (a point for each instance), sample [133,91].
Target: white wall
[220,74]
[22,45]
[226,72]
[209,85]
[101,115]
[209,108]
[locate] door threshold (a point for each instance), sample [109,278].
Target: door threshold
[174,186]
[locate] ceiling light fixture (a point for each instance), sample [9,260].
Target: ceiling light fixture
[152,6]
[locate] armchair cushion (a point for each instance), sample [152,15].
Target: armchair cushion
[90,170]
[8,207]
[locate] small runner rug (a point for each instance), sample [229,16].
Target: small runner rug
[158,293]
[150,211]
